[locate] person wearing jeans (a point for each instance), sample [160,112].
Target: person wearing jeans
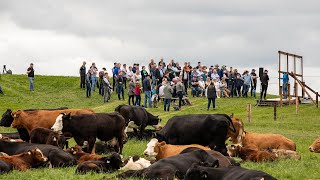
[247,79]
[94,70]
[285,80]
[137,93]
[167,96]
[120,82]
[30,72]
[264,84]
[147,91]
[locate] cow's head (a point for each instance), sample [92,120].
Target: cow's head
[56,139]
[150,151]
[17,120]
[36,155]
[58,125]
[113,162]
[237,125]
[155,122]
[315,146]
[239,151]
[7,118]
[194,172]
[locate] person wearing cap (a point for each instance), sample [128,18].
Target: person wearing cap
[253,83]
[82,73]
[264,84]
[30,72]
[147,91]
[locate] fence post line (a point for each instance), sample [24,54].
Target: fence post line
[249,112]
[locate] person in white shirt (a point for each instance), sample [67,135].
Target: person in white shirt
[202,86]
[136,76]
[217,84]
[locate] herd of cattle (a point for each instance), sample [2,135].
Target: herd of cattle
[188,147]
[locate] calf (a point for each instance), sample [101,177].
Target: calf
[25,161]
[135,163]
[248,154]
[105,164]
[81,156]
[285,154]
[227,173]
[161,150]
[264,141]
[5,167]
[315,146]
[168,167]
[47,136]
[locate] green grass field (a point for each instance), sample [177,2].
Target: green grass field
[57,91]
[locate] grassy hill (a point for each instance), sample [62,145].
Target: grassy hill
[57,91]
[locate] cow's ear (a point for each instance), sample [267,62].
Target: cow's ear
[204,174]
[231,115]
[162,143]
[69,115]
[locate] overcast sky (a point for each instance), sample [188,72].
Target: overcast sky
[58,35]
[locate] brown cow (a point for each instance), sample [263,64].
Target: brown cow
[248,154]
[81,156]
[285,154]
[264,141]
[162,150]
[25,161]
[315,146]
[47,136]
[41,118]
[236,136]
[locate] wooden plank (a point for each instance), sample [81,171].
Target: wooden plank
[300,83]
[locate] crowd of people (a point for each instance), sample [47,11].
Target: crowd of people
[171,81]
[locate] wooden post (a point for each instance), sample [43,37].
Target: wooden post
[280,96]
[296,94]
[249,112]
[317,99]
[289,94]
[274,111]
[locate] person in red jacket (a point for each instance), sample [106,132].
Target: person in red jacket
[137,93]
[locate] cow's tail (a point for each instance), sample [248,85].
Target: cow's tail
[131,173]
[230,122]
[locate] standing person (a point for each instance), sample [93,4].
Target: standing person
[143,73]
[179,90]
[153,73]
[231,78]
[150,66]
[101,75]
[238,82]
[285,82]
[114,74]
[217,84]
[211,95]
[120,83]
[185,76]
[88,83]
[93,76]
[106,88]
[131,86]
[30,72]
[137,93]
[82,73]
[124,75]
[154,96]
[167,96]
[136,76]
[264,84]
[253,83]
[247,80]
[147,91]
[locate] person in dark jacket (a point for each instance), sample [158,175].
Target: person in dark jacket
[211,95]
[264,84]
[82,73]
[120,83]
[147,91]
[88,83]
[131,91]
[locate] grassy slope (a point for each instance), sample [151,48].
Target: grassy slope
[52,92]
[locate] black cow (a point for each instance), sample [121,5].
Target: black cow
[88,127]
[56,156]
[146,134]
[139,116]
[204,129]
[5,167]
[14,135]
[47,136]
[105,164]
[169,167]
[233,172]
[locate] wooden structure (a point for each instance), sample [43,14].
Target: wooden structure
[293,65]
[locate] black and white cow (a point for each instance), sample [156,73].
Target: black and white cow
[138,118]
[88,127]
[204,129]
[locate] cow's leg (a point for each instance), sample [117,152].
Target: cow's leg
[142,127]
[91,145]
[218,144]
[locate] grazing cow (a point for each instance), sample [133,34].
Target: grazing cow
[26,160]
[264,141]
[140,116]
[204,129]
[14,135]
[81,156]
[47,136]
[168,167]
[315,146]
[5,167]
[162,150]
[285,154]
[88,127]
[135,163]
[248,154]
[196,172]
[41,118]
[7,120]
[105,164]
[56,156]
